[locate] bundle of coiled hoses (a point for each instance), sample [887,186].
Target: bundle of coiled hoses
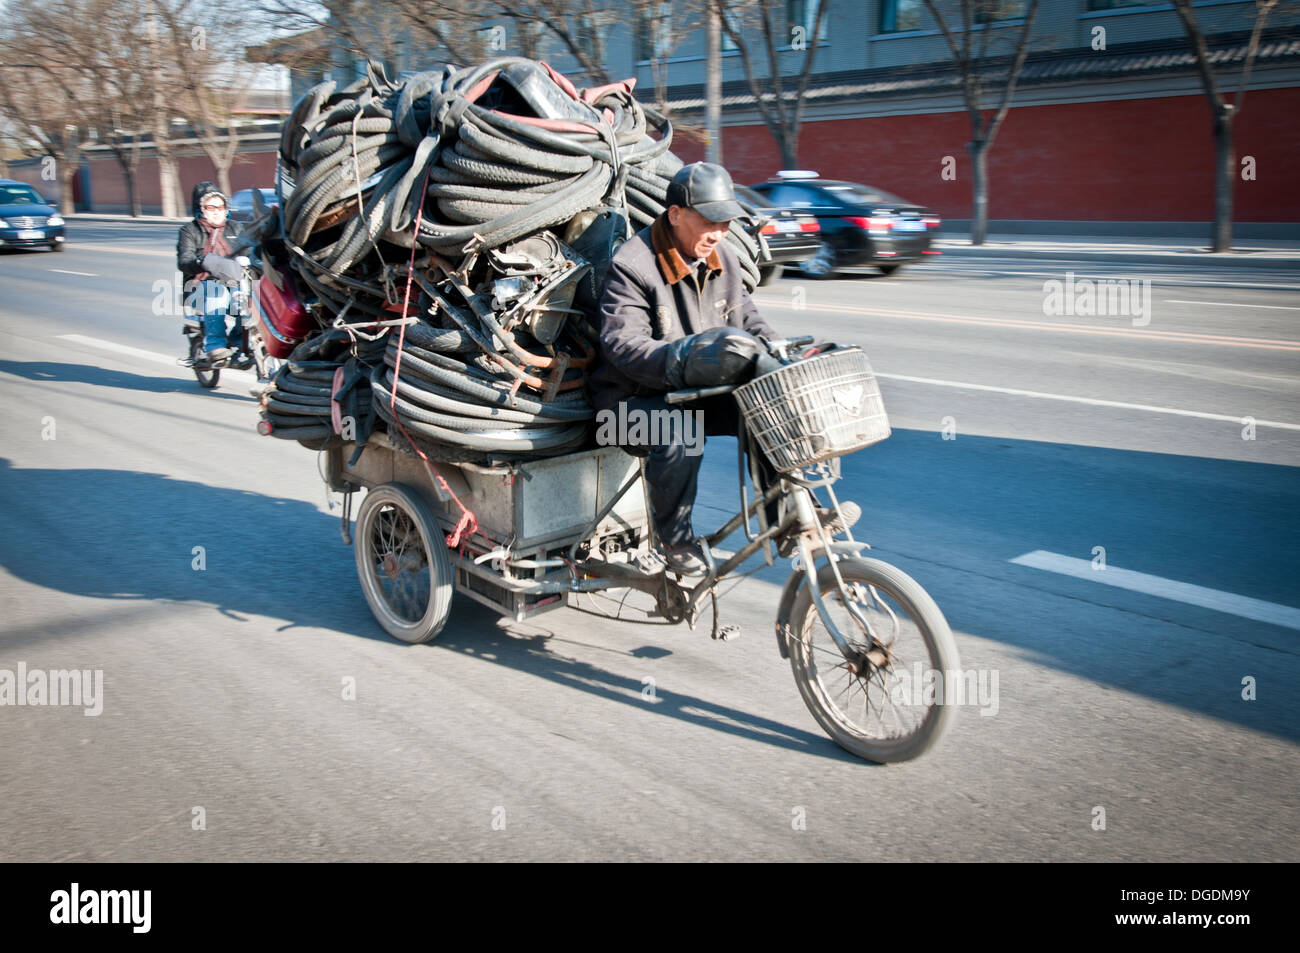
[453,230]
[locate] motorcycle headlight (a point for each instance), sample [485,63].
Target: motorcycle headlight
[54,219]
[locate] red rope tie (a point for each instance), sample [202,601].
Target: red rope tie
[468,523]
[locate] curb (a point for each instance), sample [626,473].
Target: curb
[139,219]
[1228,260]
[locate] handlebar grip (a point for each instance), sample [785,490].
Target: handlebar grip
[698,393]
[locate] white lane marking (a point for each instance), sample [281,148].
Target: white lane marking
[1229,304]
[1144,272]
[126,250]
[84,274]
[153,356]
[1093,401]
[1219,601]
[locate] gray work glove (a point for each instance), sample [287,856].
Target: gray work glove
[222,268]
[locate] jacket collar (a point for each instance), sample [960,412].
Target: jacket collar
[670,261]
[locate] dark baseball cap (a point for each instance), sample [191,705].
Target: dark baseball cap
[707,188]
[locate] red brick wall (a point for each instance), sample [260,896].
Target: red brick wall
[1124,160]
[108,184]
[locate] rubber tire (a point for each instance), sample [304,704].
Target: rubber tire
[438,563]
[825,251]
[888,270]
[58,246]
[768,274]
[207,379]
[916,602]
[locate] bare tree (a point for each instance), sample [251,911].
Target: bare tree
[782,111]
[46,102]
[661,26]
[1225,113]
[975,73]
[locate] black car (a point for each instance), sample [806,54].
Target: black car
[26,219]
[242,209]
[791,237]
[860,225]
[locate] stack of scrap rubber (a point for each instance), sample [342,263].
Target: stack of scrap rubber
[464,219]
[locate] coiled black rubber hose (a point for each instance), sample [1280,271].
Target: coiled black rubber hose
[367,163]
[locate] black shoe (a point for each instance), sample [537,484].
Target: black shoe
[242,361]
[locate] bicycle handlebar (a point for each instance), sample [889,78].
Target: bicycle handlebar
[698,393]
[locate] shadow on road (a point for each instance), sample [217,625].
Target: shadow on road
[49,371]
[531,647]
[119,534]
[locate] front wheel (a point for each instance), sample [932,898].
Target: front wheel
[893,699]
[402,563]
[207,375]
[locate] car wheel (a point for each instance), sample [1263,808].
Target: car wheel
[888,270]
[58,246]
[768,274]
[821,265]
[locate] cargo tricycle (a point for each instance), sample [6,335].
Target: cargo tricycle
[854,629]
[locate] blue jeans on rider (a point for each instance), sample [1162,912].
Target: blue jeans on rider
[214,302]
[672,466]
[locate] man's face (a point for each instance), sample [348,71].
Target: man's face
[694,234]
[214,210]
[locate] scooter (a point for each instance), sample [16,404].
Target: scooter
[243,308]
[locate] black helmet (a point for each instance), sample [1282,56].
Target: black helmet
[707,188]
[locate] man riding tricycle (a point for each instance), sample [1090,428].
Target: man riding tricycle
[681,340]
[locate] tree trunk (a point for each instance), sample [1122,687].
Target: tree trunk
[789,143]
[169,186]
[67,172]
[223,180]
[979,222]
[1225,162]
[713,89]
[133,191]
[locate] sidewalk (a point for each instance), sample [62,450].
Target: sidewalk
[1248,253]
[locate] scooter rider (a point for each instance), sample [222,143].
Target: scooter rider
[205,253]
[674,315]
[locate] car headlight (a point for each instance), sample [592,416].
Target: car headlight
[55,219]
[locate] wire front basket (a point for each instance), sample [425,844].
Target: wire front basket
[815,409]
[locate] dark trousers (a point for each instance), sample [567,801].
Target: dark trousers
[672,467]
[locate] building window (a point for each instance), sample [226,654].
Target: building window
[586,36]
[804,13]
[896,16]
[993,10]
[733,18]
[654,30]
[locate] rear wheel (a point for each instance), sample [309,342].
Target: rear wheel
[888,270]
[402,563]
[208,376]
[875,704]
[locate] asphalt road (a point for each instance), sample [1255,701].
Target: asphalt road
[1016,432]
